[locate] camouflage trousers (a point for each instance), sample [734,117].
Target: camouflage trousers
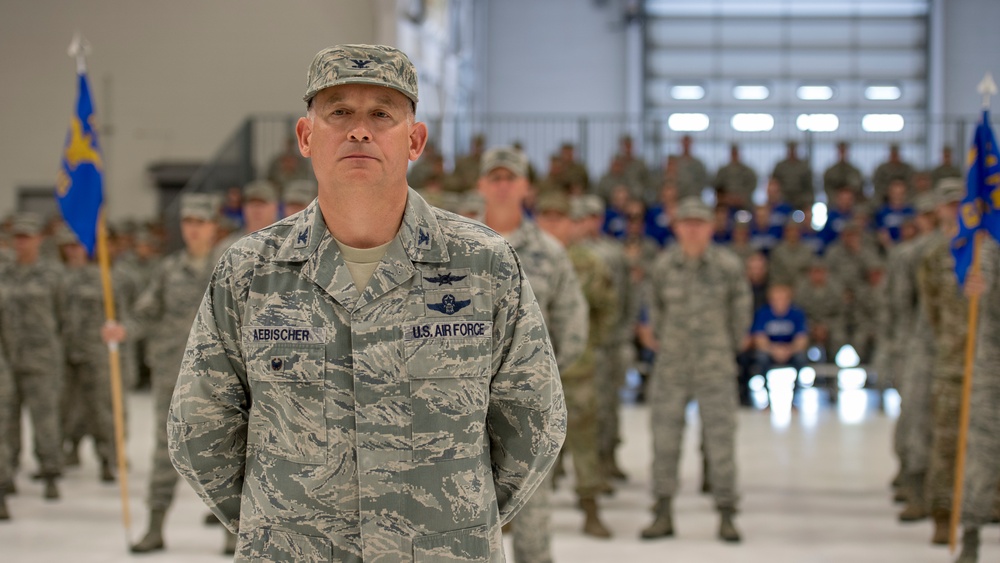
[947,393]
[86,405]
[609,378]
[40,393]
[982,464]
[163,477]
[531,527]
[581,434]
[916,402]
[716,395]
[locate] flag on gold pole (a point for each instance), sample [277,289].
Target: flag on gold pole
[980,210]
[80,193]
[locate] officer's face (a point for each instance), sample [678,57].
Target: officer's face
[258,214]
[501,187]
[198,234]
[360,137]
[693,234]
[26,246]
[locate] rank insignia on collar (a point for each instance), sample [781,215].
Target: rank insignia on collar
[303,239]
[423,239]
[449,305]
[446,278]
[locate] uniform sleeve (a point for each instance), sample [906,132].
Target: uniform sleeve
[568,318]
[526,420]
[741,303]
[929,289]
[207,426]
[148,308]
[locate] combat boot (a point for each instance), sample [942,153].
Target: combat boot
[4,513]
[727,528]
[592,525]
[231,539]
[51,489]
[107,475]
[663,524]
[970,547]
[916,504]
[153,540]
[942,526]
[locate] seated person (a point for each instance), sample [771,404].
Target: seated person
[779,332]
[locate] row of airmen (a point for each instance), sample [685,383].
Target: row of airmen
[735,182]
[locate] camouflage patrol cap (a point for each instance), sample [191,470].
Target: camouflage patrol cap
[949,190]
[555,201]
[377,65]
[261,190]
[64,235]
[592,204]
[926,202]
[504,157]
[693,208]
[26,224]
[199,206]
[301,192]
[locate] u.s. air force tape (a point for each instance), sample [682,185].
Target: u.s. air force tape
[289,334]
[457,329]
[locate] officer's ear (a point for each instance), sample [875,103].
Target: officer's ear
[418,139]
[303,133]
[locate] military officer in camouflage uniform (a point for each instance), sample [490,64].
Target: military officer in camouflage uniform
[736,181]
[791,258]
[900,291]
[947,168]
[164,313]
[822,299]
[701,308]
[504,187]
[893,169]
[842,173]
[947,309]
[298,194]
[370,379]
[917,349]
[559,217]
[30,319]
[982,470]
[86,399]
[611,354]
[795,177]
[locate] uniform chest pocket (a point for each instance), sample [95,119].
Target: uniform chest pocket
[449,388]
[288,417]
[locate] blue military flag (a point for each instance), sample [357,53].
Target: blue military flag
[80,186]
[981,206]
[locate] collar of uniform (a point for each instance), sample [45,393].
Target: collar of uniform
[525,232]
[419,233]
[304,236]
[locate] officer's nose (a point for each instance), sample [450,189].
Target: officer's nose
[360,133]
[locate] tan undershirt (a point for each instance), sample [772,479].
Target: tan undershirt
[361,262]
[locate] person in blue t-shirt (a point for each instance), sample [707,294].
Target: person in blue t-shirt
[890,217]
[838,216]
[779,332]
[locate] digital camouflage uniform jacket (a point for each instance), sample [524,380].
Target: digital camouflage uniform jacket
[406,422]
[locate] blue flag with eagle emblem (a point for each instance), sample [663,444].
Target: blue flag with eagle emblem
[981,206]
[80,186]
